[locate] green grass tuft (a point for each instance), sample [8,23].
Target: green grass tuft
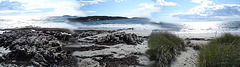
[164,47]
[223,51]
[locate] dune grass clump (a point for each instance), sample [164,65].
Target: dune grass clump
[223,51]
[164,47]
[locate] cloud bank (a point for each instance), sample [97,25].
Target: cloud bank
[208,11]
[40,7]
[147,9]
[164,3]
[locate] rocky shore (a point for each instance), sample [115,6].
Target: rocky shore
[64,47]
[41,48]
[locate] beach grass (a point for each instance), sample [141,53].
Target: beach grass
[223,51]
[164,46]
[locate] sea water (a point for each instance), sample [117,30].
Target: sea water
[213,26]
[63,22]
[136,23]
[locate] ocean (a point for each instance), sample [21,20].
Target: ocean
[136,23]
[209,27]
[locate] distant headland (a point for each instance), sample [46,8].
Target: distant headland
[96,18]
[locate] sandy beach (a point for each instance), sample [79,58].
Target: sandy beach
[189,57]
[83,46]
[119,33]
[98,47]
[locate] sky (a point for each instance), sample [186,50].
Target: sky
[156,10]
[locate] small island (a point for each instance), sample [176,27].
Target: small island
[96,18]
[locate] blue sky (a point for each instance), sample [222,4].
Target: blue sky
[156,10]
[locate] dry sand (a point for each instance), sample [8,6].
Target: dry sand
[118,51]
[188,58]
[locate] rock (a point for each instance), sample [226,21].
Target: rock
[196,47]
[85,33]
[120,37]
[188,42]
[195,39]
[110,61]
[118,62]
[38,48]
[88,63]
[2,59]
[85,48]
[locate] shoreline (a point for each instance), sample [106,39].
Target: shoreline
[91,47]
[84,39]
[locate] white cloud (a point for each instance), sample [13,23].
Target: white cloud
[119,0]
[200,9]
[205,2]
[147,9]
[10,11]
[215,12]
[208,11]
[33,4]
[89,12]
[46,7]
[66,8]
[144,11]
[164,3]
[10,5]
[90,2]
